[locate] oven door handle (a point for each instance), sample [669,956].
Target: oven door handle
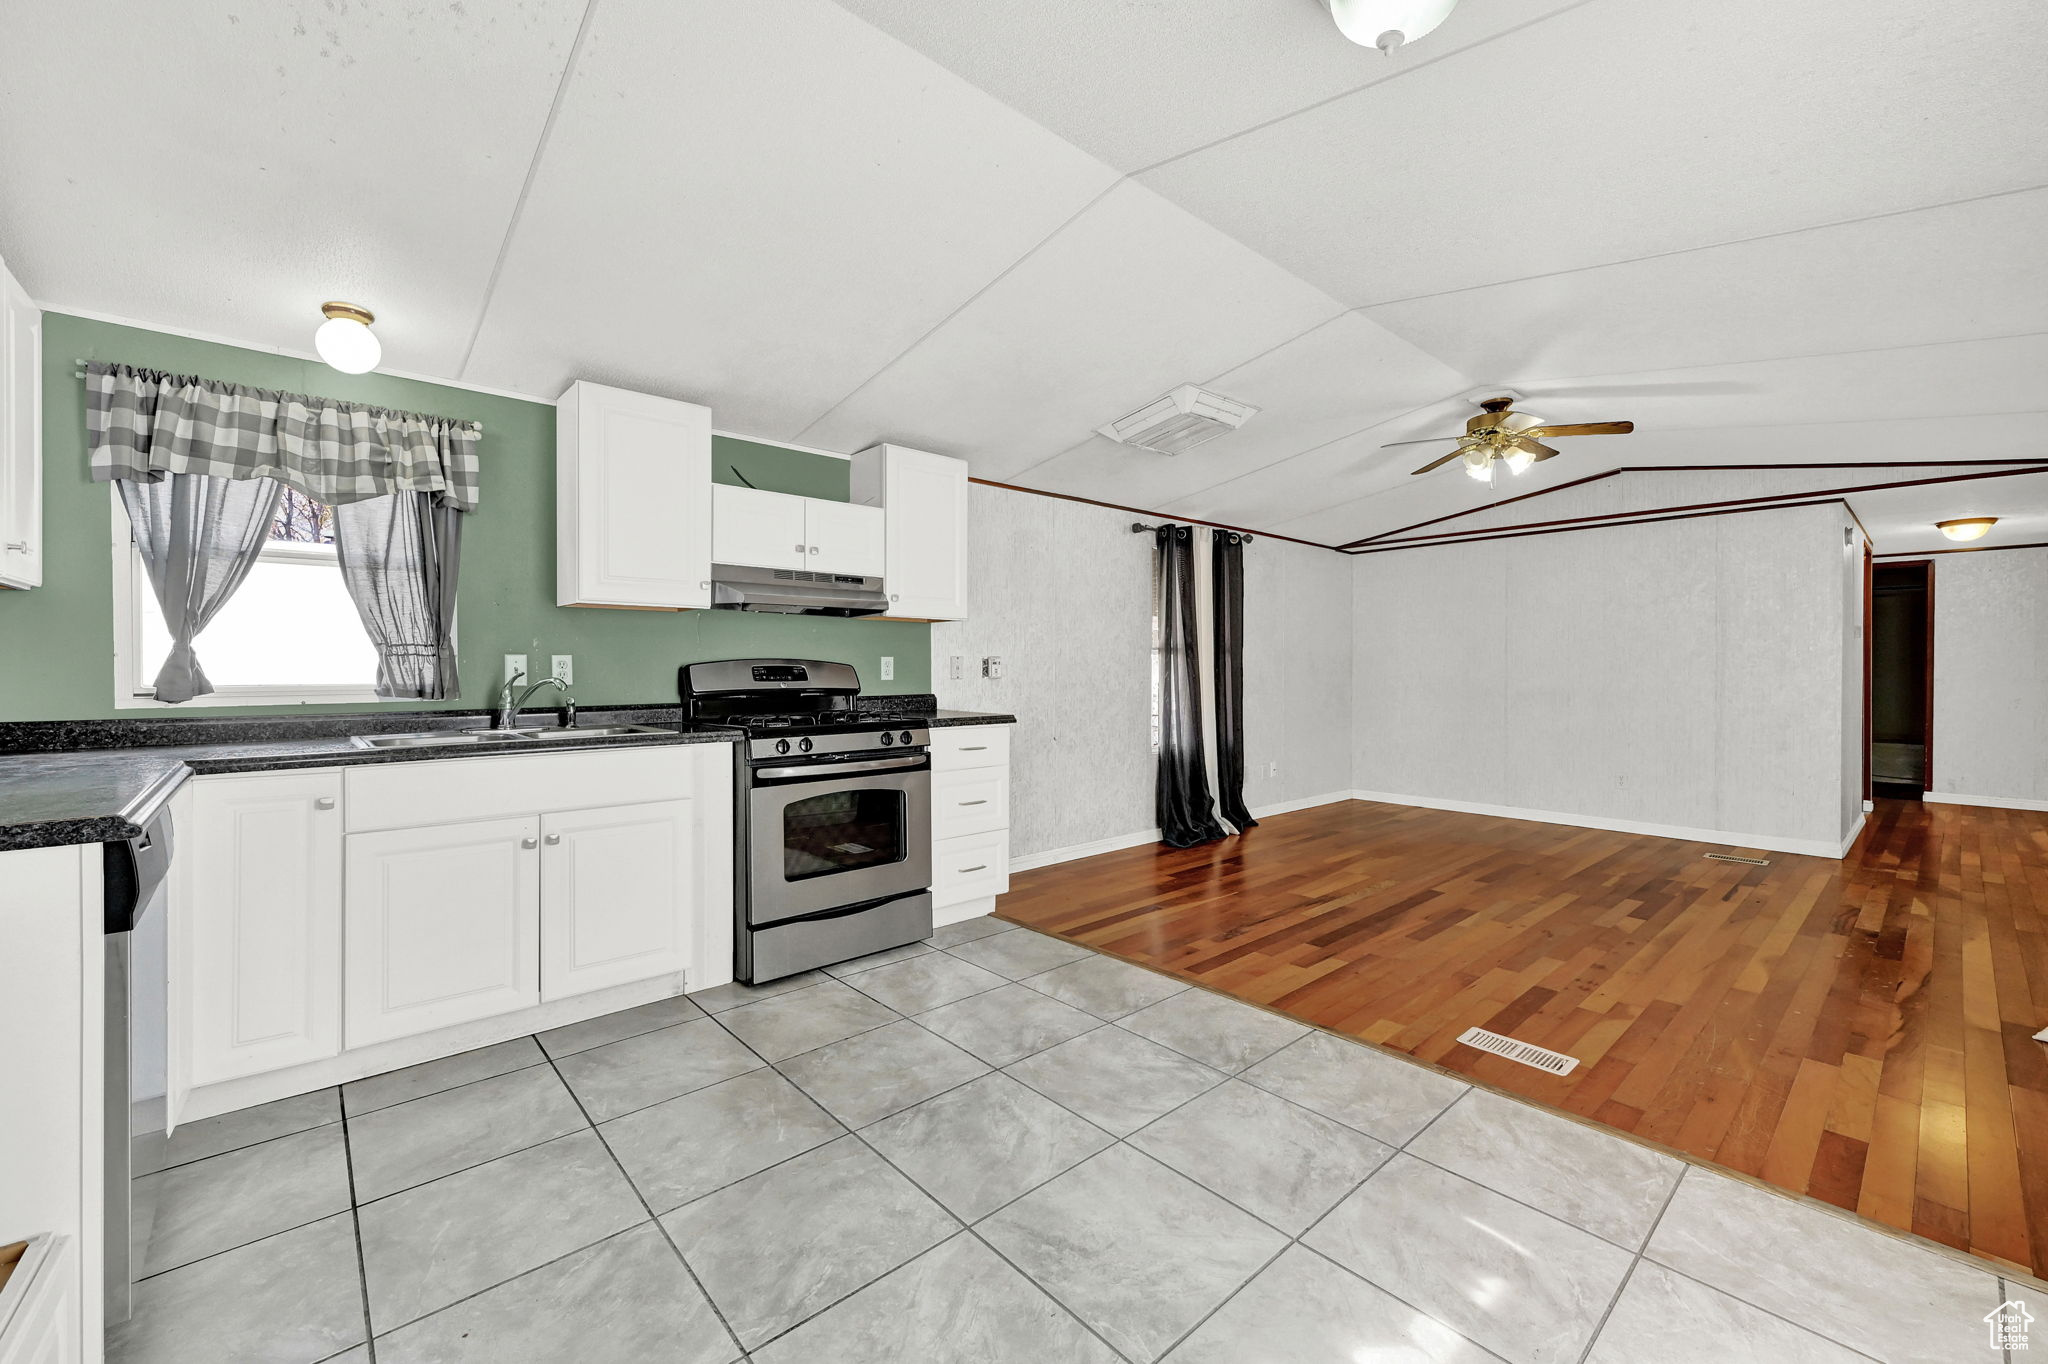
[825,770]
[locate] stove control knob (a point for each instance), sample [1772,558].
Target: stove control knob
[782,745]
[906,736]
[887,737]
[803,745]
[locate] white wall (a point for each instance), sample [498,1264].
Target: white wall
[1684,675]
[1062,593]
[1991,677]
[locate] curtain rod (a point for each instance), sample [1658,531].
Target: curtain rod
[1140,528]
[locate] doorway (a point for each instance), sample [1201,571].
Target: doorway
[1902,679]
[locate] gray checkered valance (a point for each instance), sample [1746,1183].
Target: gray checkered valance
[143,424]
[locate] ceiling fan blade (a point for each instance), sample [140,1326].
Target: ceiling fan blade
[1538,448]
[1582,429]
[1426,440]
[1439,463]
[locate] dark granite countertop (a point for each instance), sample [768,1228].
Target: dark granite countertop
[945,719]
[92,781]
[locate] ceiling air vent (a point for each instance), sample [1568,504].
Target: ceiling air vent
[1184,418]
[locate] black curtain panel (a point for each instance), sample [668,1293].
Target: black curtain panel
[1227,582]
[1186,809]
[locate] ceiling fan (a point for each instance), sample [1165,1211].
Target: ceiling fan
[1513,438]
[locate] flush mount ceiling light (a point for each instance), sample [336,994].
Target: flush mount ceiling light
[1184,418]
[1388,24]
[1966,527]
[345,340]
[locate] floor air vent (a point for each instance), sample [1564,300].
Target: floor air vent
[1556,1062]
[1745,861]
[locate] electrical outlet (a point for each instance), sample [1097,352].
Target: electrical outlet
[992,668]
[956,667]
[888,668]
[565,669]
[515,666]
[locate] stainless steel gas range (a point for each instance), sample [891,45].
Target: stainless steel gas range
[833,825]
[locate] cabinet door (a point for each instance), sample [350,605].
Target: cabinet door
[845,537]
[21,437]
[442,925]
[756,529]
[616,895]
[925,496]
[45,1325]
[260,928]
[632,500]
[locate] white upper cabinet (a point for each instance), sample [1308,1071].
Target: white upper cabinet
[632,500]
[21,437]
[843,537]
[758,529]
[925,496]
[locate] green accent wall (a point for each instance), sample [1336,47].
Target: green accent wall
[56,642]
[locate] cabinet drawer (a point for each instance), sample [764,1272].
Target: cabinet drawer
[970,867]
[408,795]
[976,801]
[970,746]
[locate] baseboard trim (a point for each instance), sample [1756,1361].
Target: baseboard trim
[1076,851]
[1849,840]
[1805,847]
[1989,802]
[1117,843]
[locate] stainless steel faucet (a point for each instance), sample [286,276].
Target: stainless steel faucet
[508,708]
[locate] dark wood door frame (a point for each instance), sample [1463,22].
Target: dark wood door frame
[1869,663]
[1926,567]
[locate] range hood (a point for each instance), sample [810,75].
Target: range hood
[796,592]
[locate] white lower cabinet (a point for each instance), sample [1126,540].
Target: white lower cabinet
[320,912]
[442,925]
[39,1310]
[616,887]
[261,940]
[970,819]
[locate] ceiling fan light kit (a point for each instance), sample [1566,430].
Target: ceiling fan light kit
[1184,418]
[1388,24]
[1516,439]
[1966,527]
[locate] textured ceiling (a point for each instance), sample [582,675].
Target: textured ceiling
[1765,232]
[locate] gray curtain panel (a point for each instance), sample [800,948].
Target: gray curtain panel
[144,423]
[399,557]
[199,536]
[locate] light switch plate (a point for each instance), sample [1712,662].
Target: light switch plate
[888,668]
[565,669]
[514,664]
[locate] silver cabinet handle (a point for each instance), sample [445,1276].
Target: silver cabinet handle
[18,546]
[814,549]
[975,748]
[974,802]
[554,839]
[982,867]
[324,803]
[704,585]
[529,842]
[894,597]
[799,549]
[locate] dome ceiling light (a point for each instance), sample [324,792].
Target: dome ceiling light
[1388,24]
[1966,527]
[345,340]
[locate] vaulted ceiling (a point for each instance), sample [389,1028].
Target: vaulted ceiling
[1764,232]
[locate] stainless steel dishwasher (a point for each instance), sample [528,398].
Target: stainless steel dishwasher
[133,871]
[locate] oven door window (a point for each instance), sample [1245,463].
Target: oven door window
[841,831]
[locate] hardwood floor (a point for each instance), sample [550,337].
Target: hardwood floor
[1859,1031]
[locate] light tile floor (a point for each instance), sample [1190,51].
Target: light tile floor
[912,1158]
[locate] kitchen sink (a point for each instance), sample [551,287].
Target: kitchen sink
[438,738]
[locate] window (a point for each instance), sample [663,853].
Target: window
[289,634]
